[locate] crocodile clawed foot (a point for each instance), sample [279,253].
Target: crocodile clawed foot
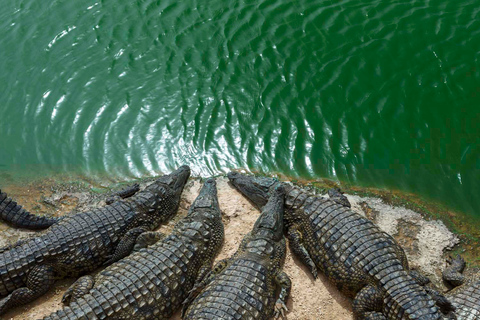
[313,270]
[108,261]
[280,310]
[66,297]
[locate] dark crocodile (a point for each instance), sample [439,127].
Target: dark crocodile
[466,294]
[84,241]
[363,262]
[244,285]
[15,215]
[154,281]
[336,195]
[124,193]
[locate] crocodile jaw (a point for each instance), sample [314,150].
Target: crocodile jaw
[270,222]
[256,189]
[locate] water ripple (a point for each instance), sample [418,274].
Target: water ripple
[347,90]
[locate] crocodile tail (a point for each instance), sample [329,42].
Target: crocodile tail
[13,214]
[405,299]
[66,313]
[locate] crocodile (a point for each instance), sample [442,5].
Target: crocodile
[152,282]
[82,242]
[336,195]
[244,285]
[15,215]
[465,295]
[124,193]
[363,262]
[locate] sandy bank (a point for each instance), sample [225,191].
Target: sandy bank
[424,241]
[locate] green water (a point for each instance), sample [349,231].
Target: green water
[375,93]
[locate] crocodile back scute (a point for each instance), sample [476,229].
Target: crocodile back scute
[72,246]
[466,299]
[353,252]
[241,291]
[149,284]
[153,282]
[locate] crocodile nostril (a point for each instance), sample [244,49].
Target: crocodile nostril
[232,174]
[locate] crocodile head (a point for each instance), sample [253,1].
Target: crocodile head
[203,223]
[175,180]
[256,189]
[270,223]
[207,198]
[160,200]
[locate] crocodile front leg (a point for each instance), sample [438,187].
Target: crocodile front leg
[203,280]
[295,240]
[39,281]
[126,244]
[368,304]
[205,276]
[78,289]
[284,282]
[148,238]
[16,244]
[336,195]
[375,316]
[124,193]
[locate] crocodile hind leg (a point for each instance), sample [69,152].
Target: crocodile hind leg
[78,289]
[295,241]
[39,281]
[440,300]
[368,304]
[284,282]
[453,274]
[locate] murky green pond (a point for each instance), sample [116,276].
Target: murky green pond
[374,93]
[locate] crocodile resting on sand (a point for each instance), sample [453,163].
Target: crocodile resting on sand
[152,282]
[244,285]
[82,242]
[466,294]
[362,261]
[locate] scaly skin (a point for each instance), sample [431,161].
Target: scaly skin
[16,216]
[362,261]
[153,282]
[466,296]
[243,286]
[85,241]
[336,195]
[124,193]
